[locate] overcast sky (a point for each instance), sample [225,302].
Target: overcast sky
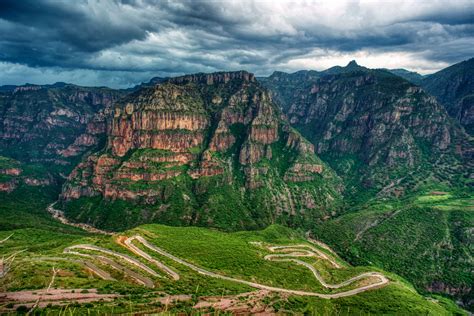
[121,43]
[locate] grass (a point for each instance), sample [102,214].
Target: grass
[230,254]
[447,202]
[429,233]
[431,198]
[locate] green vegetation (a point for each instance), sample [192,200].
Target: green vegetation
[395,214]
[454,89]
[430,235]
[232,254]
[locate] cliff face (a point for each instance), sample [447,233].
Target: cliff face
[205,149]
[454,88]
[372,126]
[52,124]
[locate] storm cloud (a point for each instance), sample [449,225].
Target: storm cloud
[121,43]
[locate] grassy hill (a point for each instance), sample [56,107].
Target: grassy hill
[39,243]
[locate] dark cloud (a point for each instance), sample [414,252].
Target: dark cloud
[117,41]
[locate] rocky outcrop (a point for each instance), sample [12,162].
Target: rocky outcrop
[203,142]
[214,78]
[11,171]
[301,172]
[14,174]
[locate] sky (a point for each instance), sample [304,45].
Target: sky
[121,43]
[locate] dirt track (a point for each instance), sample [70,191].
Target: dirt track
[113,253]
[317,253]
[297,252]
[57,296]
[3,240]
[383,280]
[128,243]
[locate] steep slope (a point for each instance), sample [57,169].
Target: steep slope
[454,88]
[382,133]
[54,124]
[205,149]
[14,174]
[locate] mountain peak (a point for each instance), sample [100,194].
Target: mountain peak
[352,64]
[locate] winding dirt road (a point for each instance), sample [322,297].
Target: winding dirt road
[89,266]
[124,257]
[382,279]
[132,274]
[128,243]
[104,275]
[317,253]
[291,252]
[297,252]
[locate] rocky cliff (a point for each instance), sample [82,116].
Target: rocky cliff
[204,149]
[53,125]
[379,131]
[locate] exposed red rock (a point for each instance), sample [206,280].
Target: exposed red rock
[8,187]
[11,171]
[189,136]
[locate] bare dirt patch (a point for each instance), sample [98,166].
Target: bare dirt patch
[53,296]
[438,193]
[245,303]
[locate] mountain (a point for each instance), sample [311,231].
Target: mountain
[205,149]
[454,88]
[407,167]
[53,124]
[382,133]
[411,76]
[367,161]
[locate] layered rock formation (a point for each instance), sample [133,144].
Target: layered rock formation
[206,149]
